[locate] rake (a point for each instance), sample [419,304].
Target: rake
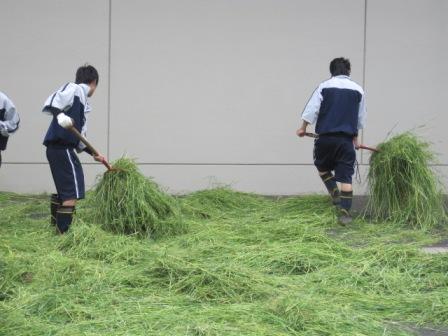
[91,148]
[316,136]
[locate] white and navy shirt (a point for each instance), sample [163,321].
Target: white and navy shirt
[70,99]
[336,106]
[9,119]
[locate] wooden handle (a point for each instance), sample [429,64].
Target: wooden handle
[368,148]
[311,135]
[314,135]
[88,145]
[83,140]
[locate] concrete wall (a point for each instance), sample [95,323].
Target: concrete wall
[202,92]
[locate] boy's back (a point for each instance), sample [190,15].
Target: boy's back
[337,107]
[71,99]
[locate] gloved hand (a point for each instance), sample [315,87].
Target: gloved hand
[64,120]
[3,130]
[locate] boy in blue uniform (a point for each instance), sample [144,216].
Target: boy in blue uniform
[337,107]
[9,121]
[69,107]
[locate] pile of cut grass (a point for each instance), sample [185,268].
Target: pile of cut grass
[125,201]
[403,187]
[219,202]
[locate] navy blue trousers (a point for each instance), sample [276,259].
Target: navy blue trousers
[335,153]
[67,172]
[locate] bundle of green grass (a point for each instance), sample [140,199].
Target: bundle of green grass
[125,201]
[403,187]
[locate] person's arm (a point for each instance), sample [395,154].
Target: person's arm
[311,112]
[302,129]
[356,141]
[97,157]
[362,114]
[59,102]
[12,120]
[82,147]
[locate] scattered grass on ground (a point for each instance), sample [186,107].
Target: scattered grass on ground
[247,265]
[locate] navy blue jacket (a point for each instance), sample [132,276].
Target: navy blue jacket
[336,106]
[70,99]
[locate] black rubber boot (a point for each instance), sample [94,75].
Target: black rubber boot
[346,204]
[55,202]
[332,187]
[344,217]
[64,218]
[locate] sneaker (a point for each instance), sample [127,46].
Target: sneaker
[344,217]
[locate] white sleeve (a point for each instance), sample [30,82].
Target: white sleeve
[362,114]
[11,122]
[312,108]
[61,99]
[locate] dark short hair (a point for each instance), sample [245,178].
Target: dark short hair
[86,74]
[340,66]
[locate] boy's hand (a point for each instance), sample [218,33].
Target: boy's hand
[301,132]
[99,158]
[64,120]
[356,143]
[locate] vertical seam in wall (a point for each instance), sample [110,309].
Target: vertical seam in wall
[108,74]
[364,67]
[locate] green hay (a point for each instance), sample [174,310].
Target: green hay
[266,267]
[310,315]
[297,257]
[219,202]
[125,201]
[221,283]
[88,241]
[403,187]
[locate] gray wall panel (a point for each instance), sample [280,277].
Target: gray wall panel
[406,72]
[43,44]
[223,81]
[220,82]
[179,179]
[268,180]
[36,178]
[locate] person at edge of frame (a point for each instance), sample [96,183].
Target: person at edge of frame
[337,108]
[9,121]
[68,107]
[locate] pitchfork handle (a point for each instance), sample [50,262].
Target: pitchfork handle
[88,145]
